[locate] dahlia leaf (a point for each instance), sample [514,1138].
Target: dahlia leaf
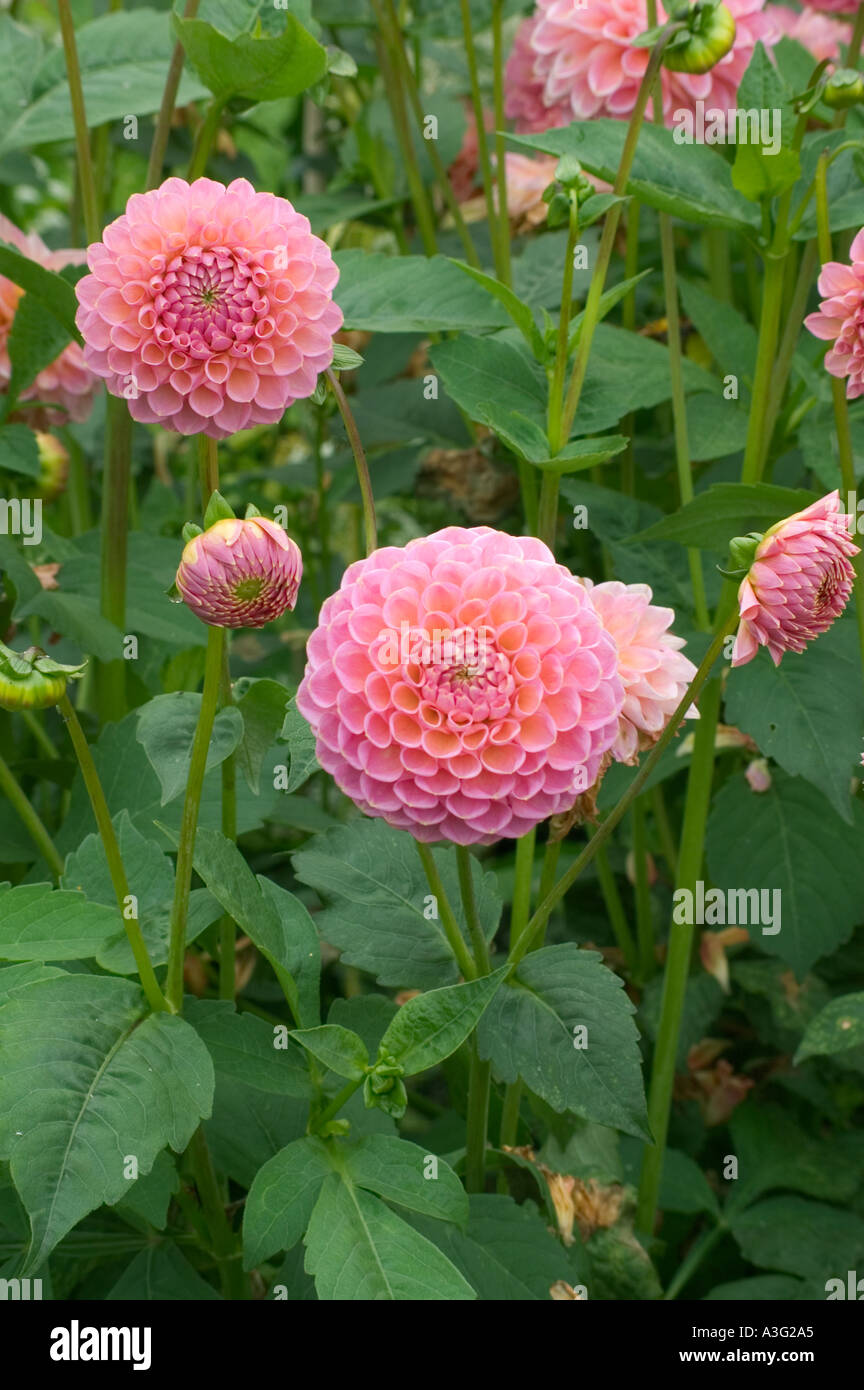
[258,68]
[166,731]
[162,1273]
[432,1025]
[837,1028]
[410,294]
[282,1197]
[357,1248]
[725,510]
[40,923]
[262,705]
[88,1080]
[564,1024]
[337,1048]
[248,1049]
[519,312]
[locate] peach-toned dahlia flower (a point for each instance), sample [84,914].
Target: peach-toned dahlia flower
[653,670]
[840,317]
[240,573]
[571,62]
[209,308]
[66,382]
[817,33]
[798,583]
[461,687]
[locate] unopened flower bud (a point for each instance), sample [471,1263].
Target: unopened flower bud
[31,680]
[53,466]
[709,35]
[240,573]
[845,87]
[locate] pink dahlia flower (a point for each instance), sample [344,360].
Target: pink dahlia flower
[654,672]
[240,573]
[819,35]
[840,317]
[798,583]
[573,61]
[461,687]
[835,6]
[66,382]
[209,308]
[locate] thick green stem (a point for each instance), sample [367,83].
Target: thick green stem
[397,40]
[86,177]
[789,339]
[226,1245]
[393,75]
[480,1074]
[446,915]
[114,525]
[119,881]
[208,468]
[524,872]
[166,110]
[28,816]
[363,478]
[591,316]
[482,140]
[854,51]
[332,1110]
[695,1255]
[479,945]
[207,132]
[189,822]
[679,954]
[769,321]
[227,930]
[500,140]
[601,835]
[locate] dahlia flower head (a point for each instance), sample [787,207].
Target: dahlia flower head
[66,382]
[240,573]
[572,62]
[799,581]
[654,672]
[840,317]
[812,28]
[462,687]
[209,308]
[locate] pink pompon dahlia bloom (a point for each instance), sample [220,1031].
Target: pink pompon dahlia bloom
[66,382]
[798,583]
[840,317]
[571,62]
[240,573]
[209,308]
[817,33]
[654,672]
[461,687]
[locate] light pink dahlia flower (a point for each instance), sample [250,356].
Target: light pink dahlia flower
[461,687]
[571,62]
[798,583]
[240,573]
[817,33]
[209,308]
[653,670]
[840,317]
[66,382]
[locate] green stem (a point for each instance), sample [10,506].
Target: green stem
[226,1248]
[392,73]
[664,829]
[789,340]
[36,829]
[332,1110]
[447,917]
[591,316]
[86,178]
[769,320]
[227,930]
[854,52]
[189,822]
[166,109]
[838,392]
[120,883]
[482,140]
[695,1255]
[615,910]
[716,243]
[500,140]
[644,919]
[204,139]
[363,478]
[547,512]
[480,1072]
[114,524]
[413,91]
[38,732]
[601,835]
[524,872]
[679,953]
[208,468]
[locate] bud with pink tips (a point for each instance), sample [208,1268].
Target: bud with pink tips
[238,573]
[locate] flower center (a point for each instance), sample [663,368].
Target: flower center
[246,589]
[461,672]
[210,300]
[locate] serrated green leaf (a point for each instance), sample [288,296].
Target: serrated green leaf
[836,1028]
[726,510]
[281,1199]
[166,731]
[39,923]
[432,1025]
[259,68]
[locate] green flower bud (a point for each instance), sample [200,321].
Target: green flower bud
[845,87]
[742,551]
[393,1101]
[709,35]
[31,680]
